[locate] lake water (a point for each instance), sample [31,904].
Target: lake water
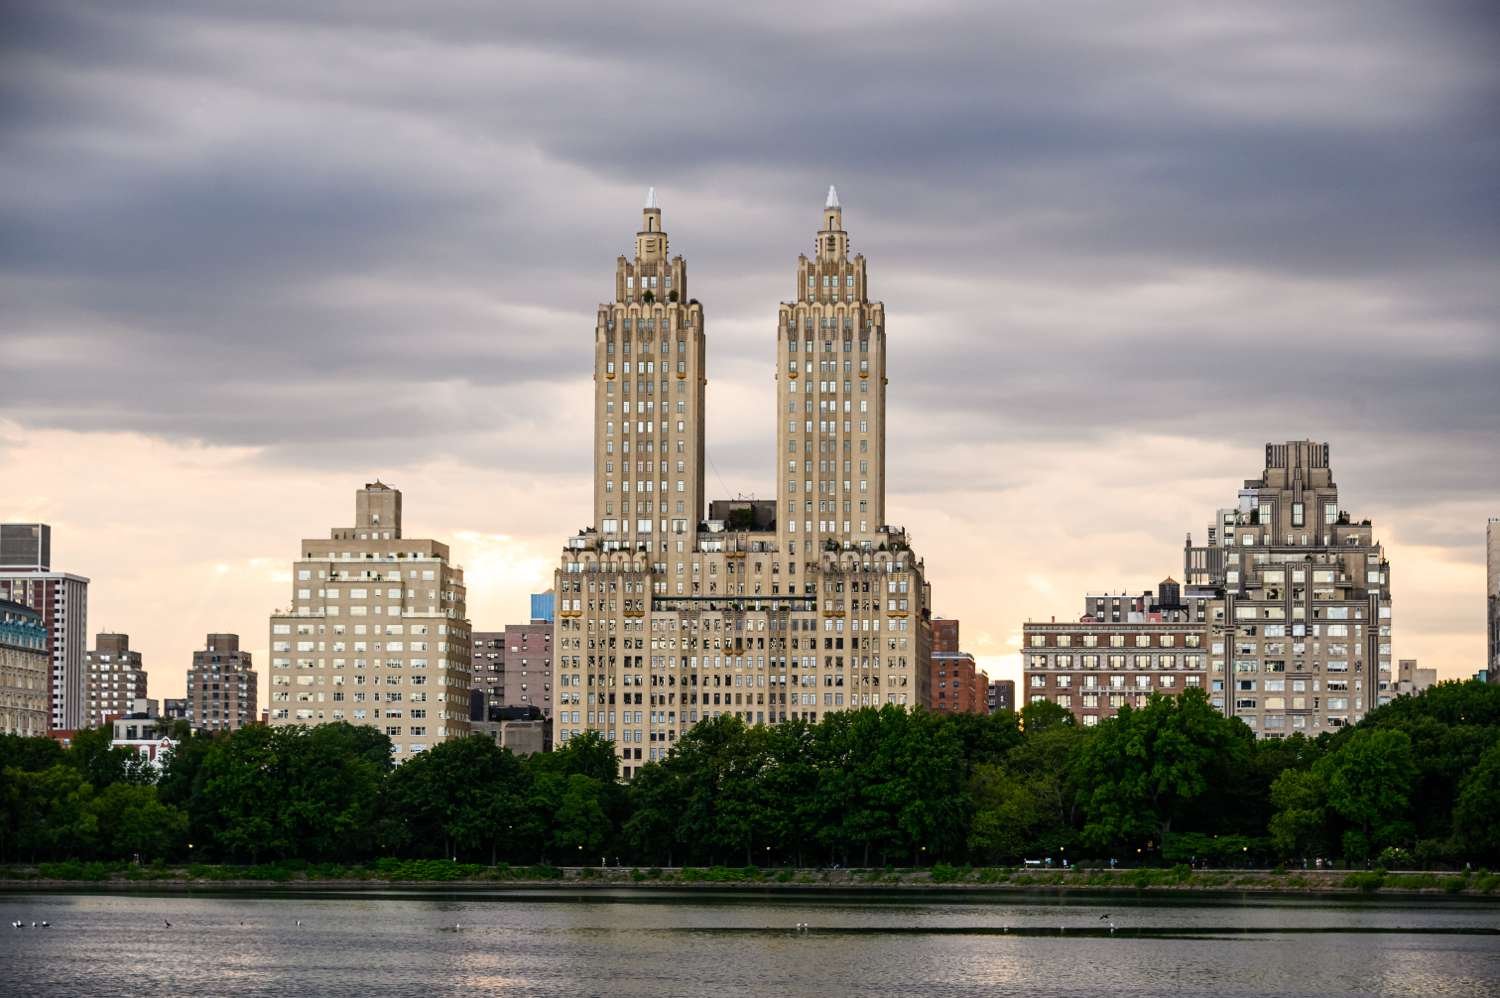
[639,942]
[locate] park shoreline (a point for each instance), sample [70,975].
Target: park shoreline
[813,882]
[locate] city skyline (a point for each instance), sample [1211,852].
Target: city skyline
[1107,292]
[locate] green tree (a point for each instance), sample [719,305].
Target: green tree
[1299,826]
[463,795]
[31,755]
[133,822]
[1143,768]
[656,800]
[242,786]
[102,763]
[1038,717]
[787,789]
[1369,780]
[1477,815]
[331,778]
[985,738]
[1007,814]
[53,817]
[582,827]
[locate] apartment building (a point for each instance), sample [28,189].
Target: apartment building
[1285,616]
[792,608]
[27,578]
[376,632]
[958,685]
[1002,695]
[1301,613]
[221,686]
[116,679]
[1094,668]
[23,671]
[512,668]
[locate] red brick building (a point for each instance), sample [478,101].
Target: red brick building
[958,685]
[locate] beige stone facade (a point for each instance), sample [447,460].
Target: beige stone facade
[24,669]
[376,633]
[664,618]
[116,679]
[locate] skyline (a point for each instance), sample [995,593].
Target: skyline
[227,281]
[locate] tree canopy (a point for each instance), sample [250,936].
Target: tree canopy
[1417,780]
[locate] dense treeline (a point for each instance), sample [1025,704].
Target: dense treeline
[1416,783]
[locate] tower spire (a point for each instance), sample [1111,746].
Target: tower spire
[651,196]
[833,198]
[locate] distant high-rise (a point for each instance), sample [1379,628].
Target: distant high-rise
[116,679]
[1002,695]
[785,608]
[23,671]
[1492,597]
[544,606]
[376,633]
[26,577]
[513,668]
[25,547]
[1285,616]
[958,685]
[1301,618]
[221,686]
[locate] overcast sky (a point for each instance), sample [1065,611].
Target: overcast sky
[252,257]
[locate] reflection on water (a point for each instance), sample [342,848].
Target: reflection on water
[623,942]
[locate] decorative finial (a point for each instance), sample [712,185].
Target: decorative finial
[651,198]
[833,198]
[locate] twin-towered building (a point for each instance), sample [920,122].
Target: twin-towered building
[790,607]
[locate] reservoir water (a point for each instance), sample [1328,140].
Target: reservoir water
[656,942]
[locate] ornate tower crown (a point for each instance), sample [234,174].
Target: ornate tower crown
[651,241]
[833,241]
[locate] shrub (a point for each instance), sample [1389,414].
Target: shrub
[1368,882]
[943,873]
[1394,857]
[73,870]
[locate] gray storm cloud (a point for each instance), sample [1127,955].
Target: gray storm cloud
[280,227]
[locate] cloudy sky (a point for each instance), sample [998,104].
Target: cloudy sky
[253,256]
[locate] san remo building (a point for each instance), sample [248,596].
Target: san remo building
[668,612]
